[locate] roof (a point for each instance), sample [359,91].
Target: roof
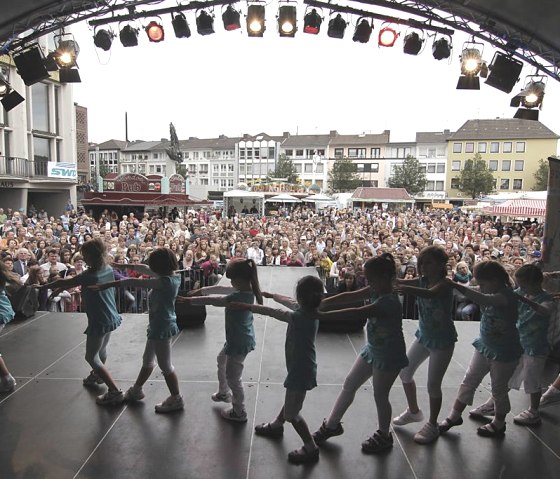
[363,139]
[521,207]
[503,129]
[109,145]
[145,146]
[138,199]
[382,195]
[303,141]
[433,137]
[219,143]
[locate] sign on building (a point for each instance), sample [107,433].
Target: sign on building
[62,170]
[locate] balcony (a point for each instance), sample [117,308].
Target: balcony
[22,168]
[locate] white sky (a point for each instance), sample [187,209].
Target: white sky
[228,83]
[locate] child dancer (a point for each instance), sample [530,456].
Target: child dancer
[381,359]
[102,315]
[497,350]
[435,339]
[7,381]
[164,285]
[300,361]
[240,333]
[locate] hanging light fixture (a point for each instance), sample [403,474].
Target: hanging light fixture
[67,51]
[337,27]
[287,21]
[103,39]
[387,36]
[312,22]
[255,20]
[231,19]
[205,23]
[30,64]
[8,96]
[531,98]
[363,31]
[472,65]
[504,72]
[441,48]
[155,32]
[412,43]
[129,36]
[180,26]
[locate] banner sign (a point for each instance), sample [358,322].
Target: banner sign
[67,171]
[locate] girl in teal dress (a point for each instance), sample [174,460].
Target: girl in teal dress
[240,333]
[382,357]
[164,285]
[7,381]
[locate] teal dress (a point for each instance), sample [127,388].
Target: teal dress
[6,311]
[101,308]
[385,348]
[533,327]
[436,329]
[163,321]
[301,361]
[499,338]
[240,333]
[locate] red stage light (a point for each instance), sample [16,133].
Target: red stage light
[387,37]
[155,32]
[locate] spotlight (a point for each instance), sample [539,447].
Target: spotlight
[255,21]
[30,65]
[530,97]
[69,75]
[8,96]
[387,37]
[103,39]
[472,65]
[412,43]
[337,26]
[155,32]
[471,61]
[66,53]
[180,26]
[129,36]
[205,23]
[363,31]
[231,19]
[441,49]
[312,22]
[504,72]
[287,21]
[4,84]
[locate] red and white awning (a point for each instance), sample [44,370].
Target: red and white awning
[520,207]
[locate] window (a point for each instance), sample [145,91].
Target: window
[41,150]
[257,153]
[457,147]
[440,168]
[455,183]
[507,148]
[482,147]
[319,168]
[156,156]
[299,152]
[321,152]
[520,147]
[431,168]
[338,152]
[360,167]
[249,153]
[356,152]
[271,152]
[494,147]
[518,184]
[493,165]
[375,167]
[431,152]
[456,165]
[504,184]
[241,153]
[40,106]
[375,152]
[519,165]
[469,147]
[430,185]
[309,168]
[289,152]
[439,185]
[297,166]
[309,153]
[506,165]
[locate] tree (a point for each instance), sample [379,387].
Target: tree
[344,176]
[541,176]
[103,169]
[410,176]
[181,170]
[285,169]
[476,179]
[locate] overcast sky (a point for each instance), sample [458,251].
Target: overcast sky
[230,84]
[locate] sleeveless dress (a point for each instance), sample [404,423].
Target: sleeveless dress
[240,333]
[162,317]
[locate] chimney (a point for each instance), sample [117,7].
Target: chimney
[164,140]
[222,137]
[246,136]
[286,134]
[333,133]
[447,132]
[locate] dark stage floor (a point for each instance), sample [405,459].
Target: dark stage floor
[51,427]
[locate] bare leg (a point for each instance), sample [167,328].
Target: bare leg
[172,383]
[411,398]
[3,368]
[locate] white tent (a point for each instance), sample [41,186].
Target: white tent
[318,197]
[283,198]
[240,199]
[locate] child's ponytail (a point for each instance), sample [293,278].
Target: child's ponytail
[255,286]
[247,270]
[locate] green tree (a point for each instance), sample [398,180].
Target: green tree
[285,169]
[103,169]
[476,179]
[181,169]
[344,176]
[541,176]
[410,175]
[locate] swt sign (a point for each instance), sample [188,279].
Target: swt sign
[62,170]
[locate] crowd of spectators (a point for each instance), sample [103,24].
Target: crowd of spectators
[40,247]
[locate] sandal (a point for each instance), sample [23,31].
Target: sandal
[447,424]
[303,456]
[490,430]
[267,430]
[377,443]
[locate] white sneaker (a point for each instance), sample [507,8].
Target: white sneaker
[408,417]
[482,411]
[428,434]
[172,403]
[134,394]
[7,384]
[550,398]
[528,418]
[231,415]
[110,398]
[221,397]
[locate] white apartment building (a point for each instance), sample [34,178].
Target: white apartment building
[431,152]
[395,154]
[257,157]
[105,157]
[147,158]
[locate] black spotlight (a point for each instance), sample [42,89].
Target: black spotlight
[180,26]
[312,22]
[8,96]
[103,39]
[287,21]
[255,20]
[30,65]
[337,26]
[231,19]
[441,49]
[129,36]
[504,72]
[363,31]
[531,98]
[69,75]
[412,43]
[205,23]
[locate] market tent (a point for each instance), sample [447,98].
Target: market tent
[283,198]
[239,199]
[520,207]
[318,197]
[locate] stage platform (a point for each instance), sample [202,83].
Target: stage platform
[51,427]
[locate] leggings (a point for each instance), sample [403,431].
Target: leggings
[230,371]
[439,361]
[160,349]
[96,350]
[382,382]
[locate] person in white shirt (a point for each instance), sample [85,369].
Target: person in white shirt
[52,261]
[255,253]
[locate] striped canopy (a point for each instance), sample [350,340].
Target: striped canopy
[520,207]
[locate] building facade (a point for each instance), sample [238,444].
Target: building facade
[431,152]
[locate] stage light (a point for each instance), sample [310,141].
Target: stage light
[69,75]
[129,36]
[255,20]
[180,26]
[337,26]
[4,84]
[531,98]
[363,31]
[387,37]
[8,96]
[504,72]
[155,32]
[471,61]
[30,64]
[312,22]
[231,19]
[103,39]
[66,53]
[472,65]
[205,23]
[412,43]
[441,49]
[287,21]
